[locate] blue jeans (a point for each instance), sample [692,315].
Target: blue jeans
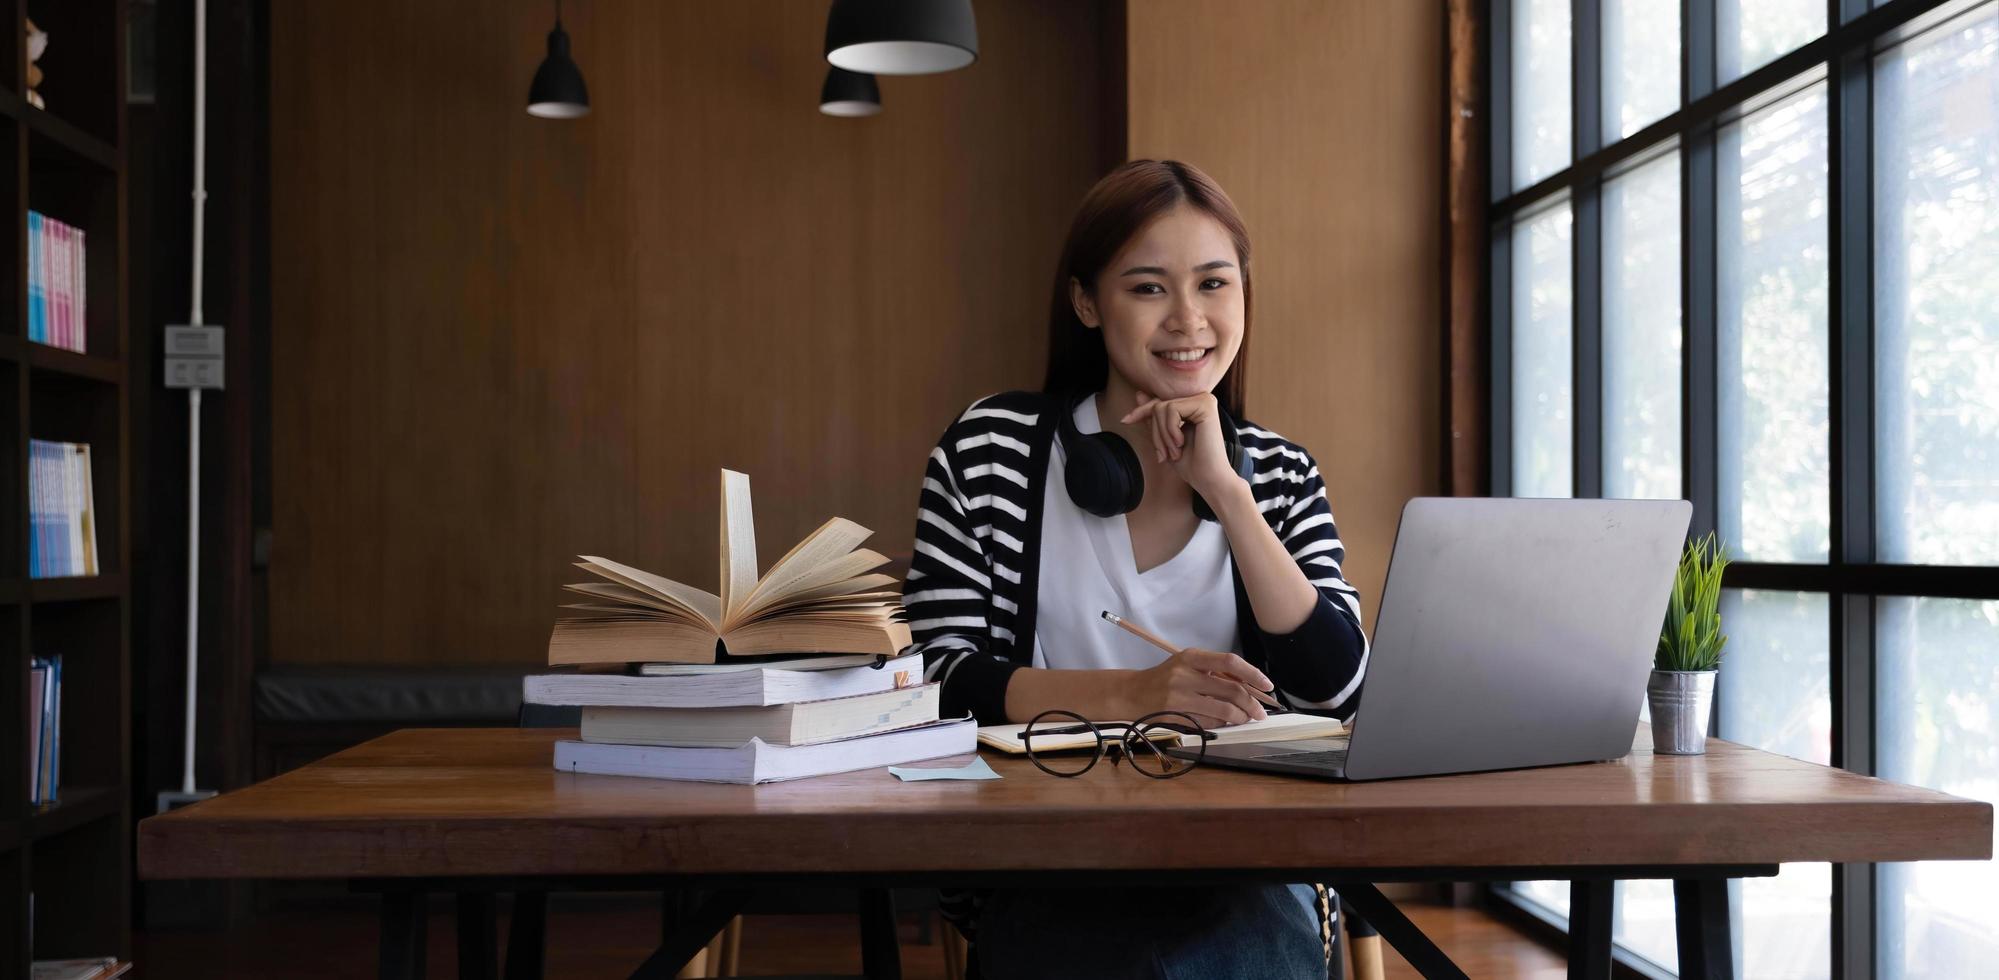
[1195,933]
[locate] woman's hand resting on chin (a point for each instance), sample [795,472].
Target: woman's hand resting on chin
[1187,432]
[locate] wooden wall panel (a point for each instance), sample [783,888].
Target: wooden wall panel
[500,341]
[1323,120]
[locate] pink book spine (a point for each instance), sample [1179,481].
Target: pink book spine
[59,248]
[69,287]
[81,292]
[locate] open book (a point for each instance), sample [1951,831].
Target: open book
[821,597]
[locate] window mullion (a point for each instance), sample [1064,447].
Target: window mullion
[1700,409]
[1499,361]
[1499,296]
[1499,98]
[1696,50]
[1587,278]
[1586,121]
[1700,398]
[1850,321]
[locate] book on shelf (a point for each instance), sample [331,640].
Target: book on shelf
[57,283]
[62,516]
[821,597]
[44,730]
[797,723]
[92,968]
[760,762]
[1285,727]
[734,684]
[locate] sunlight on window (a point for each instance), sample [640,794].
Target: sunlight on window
[1752,33]
[1641,64]
[1541,94]
[1936,255]
[1938,720]
[1772,347]
[1543,437]
[1641,332]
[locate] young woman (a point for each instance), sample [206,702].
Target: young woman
[1148,329]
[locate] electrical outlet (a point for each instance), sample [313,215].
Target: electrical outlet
[194,357]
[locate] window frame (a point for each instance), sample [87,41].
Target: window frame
[1852,577]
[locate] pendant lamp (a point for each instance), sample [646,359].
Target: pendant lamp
[901,37]
[558,91]
[849,93]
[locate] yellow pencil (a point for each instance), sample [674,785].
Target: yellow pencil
[1142,633]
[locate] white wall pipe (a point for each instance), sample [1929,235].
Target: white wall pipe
[194,394]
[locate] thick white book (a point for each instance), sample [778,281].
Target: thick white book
[729,688]
[799,723]
[758,762]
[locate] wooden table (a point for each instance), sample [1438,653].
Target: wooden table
[471,809]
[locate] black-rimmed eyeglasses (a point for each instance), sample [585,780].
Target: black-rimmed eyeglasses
[1140,741]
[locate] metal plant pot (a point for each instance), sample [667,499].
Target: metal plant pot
[1680,701]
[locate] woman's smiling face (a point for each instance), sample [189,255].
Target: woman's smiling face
[1170,305]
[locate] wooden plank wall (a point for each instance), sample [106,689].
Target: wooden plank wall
[1324,122]
[500,341]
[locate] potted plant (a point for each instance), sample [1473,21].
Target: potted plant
[1681,691]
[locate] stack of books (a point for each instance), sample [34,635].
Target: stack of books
[62,521]
[794,673]
[56,283]
[44,729]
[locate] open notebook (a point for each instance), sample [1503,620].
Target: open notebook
[821,597]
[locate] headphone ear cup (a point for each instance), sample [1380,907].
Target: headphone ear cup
[1103,475]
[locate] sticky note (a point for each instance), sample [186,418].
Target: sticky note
[977,770]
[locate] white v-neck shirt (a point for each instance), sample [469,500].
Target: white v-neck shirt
[1087,567]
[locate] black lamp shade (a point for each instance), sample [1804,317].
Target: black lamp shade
[901,37]
[849,93]
[558,91]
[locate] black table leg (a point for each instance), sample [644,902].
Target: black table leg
[477,935]
[1701,907]
[1592,909]
[1399,931]
[404,915]
[881,958]
[696,918]
[527,931]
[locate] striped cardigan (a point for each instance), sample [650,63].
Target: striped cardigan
[970,591]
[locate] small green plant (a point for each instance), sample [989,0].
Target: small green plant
[1692,638]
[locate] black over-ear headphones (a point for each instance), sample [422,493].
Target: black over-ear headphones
[1103,473]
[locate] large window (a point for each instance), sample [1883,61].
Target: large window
[1746,252]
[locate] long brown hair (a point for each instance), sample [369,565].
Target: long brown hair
[1111,213]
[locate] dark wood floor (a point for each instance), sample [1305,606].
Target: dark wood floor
[593,936]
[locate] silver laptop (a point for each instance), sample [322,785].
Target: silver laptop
[1512,633]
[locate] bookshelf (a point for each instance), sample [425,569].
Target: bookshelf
[68,162]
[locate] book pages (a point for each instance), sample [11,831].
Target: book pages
[739,546]
[833,539]
[847,566]
[705,605]
[868,586]
[617,592]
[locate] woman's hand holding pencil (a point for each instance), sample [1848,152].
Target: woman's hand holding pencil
[1217,689]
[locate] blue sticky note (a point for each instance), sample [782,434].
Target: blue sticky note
[977,770]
